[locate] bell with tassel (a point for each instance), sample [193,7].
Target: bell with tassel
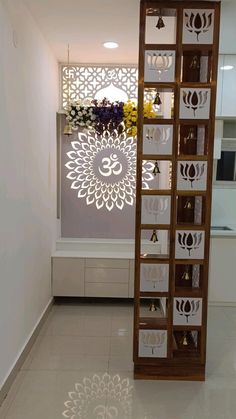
[156,170]
[154,237]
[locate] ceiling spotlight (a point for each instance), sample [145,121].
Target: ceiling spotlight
[110,45]
[227,67]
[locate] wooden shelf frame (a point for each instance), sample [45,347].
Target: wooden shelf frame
[186,364]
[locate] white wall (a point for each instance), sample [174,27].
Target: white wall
[223,207]
[28,105]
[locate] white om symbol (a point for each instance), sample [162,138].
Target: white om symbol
[105,412]
[110,165]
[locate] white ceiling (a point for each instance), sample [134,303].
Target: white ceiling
[86,24]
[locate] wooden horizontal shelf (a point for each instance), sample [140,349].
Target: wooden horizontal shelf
[187,328]
[155,226]
[188,292]
[155,257]
[157,121]
[192,157]
[167,157]
[160,46]
[195,85]
[156,260]
[189,262]
[190,193]
[196,47]
[192,121]
[155,294]
[153,323]
[190,227]
[160,86]
[156,192]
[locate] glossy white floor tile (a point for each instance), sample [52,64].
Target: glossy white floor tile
[81,367]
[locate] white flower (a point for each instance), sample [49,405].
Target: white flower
[73,113]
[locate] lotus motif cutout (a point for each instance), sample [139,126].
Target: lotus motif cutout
[195,100]
[160,135]
[156,206]
[155,274]
[159,62]
[192,172]
[187,308]
[153,340]
[190,241]
[198,23]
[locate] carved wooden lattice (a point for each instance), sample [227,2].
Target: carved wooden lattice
[85,81]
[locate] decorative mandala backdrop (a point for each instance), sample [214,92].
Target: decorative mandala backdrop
[102,169]
[100,397]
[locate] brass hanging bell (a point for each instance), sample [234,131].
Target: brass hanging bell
[68,129]
[194,65]
[154,237]
[188,205]
[157,100]
[185,340]
[160,23]
[152,306]
[156,170]
[191,135]
[186,275]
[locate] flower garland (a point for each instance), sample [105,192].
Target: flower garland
[107,116]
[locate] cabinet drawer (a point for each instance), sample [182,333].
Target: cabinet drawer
[106,290]
[107,275]
[68,277]
[107,263]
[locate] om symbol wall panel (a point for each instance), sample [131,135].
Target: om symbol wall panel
[177,70]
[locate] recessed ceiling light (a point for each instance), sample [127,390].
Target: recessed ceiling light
[227,67]
[110,45]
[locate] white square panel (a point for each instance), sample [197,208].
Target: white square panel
[159,66]
[166,35]
[155,209]
[152,343]
[198,26]
[192,175]
[154,277]
[194,103]
[189,244]
[187,311]
[157,139]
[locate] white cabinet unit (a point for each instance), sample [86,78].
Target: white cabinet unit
[68,277]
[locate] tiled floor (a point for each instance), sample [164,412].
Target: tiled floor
[81,367]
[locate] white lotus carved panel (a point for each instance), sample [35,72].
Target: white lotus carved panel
[155,209]
[198,26]
[189,244]
[154,277]
[153,343]
[159,66]
[187,311]
[194,103]
[157,139]
[192,175]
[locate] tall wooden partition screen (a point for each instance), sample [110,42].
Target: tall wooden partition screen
[178,71]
